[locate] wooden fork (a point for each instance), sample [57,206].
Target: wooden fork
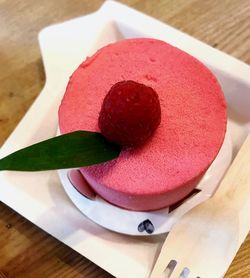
[204,242]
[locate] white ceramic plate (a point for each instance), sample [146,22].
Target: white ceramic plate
[40,198]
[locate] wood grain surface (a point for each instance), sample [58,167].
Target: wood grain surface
[25,250]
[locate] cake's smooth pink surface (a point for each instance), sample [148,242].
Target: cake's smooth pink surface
[191,132]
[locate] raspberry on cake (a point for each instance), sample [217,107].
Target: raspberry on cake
[169,164]
[130,113]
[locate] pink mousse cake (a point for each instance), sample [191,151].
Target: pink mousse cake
[192,129]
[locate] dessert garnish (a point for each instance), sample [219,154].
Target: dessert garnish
[129,115]
[71,150]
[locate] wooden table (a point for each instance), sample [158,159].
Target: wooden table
[25,250]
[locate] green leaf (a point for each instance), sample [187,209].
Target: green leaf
[71,150]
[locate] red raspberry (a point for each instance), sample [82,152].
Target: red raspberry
[130,113]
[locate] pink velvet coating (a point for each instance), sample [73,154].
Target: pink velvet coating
[192,129]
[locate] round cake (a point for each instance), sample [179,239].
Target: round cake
[193,122]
